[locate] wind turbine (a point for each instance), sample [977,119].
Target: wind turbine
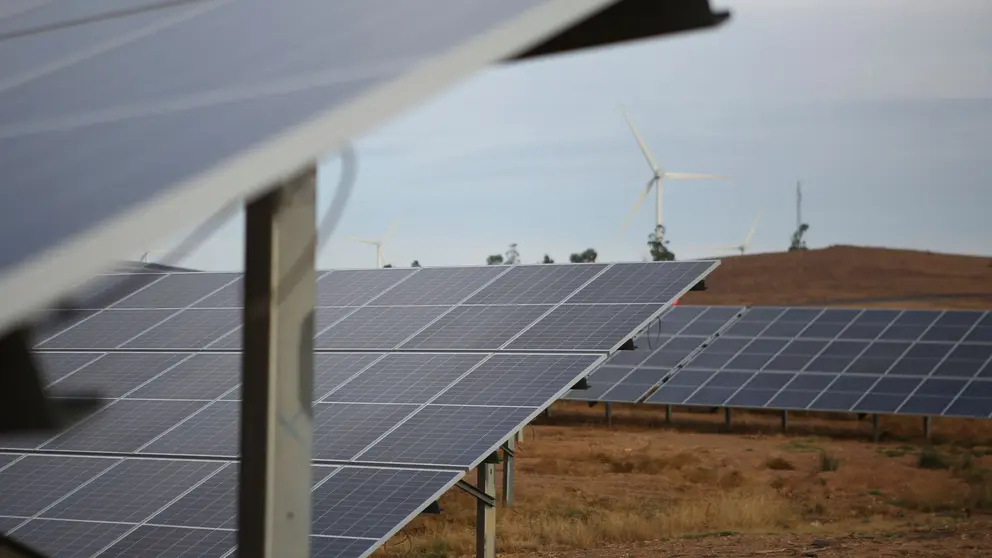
[657,176]
[742,247]
[378,242]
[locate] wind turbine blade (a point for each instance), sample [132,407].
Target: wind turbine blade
[364,240]
[391,230]
[638,204]
[640,142]
[750,232]
[692,176]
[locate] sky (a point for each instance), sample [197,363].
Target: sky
[882,109]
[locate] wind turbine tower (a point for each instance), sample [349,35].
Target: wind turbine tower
[658,175]
[378,243]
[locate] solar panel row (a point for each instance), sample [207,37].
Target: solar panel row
[922,362]
[74,506]
[629,375]
[520,308]
[403,409]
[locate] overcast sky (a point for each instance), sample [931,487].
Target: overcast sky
[883,109]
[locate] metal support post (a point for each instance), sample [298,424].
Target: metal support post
[668,414]
[520,435]
[876,428]
[728,417]
[927,427]
[785,420]
[509,456]
[609,414]
[485,512]
[277,371]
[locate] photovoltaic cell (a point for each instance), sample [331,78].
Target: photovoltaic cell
[38,481]
[230,296]
[192,329]
[172,542]
[176,290]
[212,504]
[124,426]
[371,502]
[337,547]
[210,432]
[585,327]
[323,318]
[342,430]
[643,283]
[438,286]
[447,435]
[69,539]
[381,328]
[532,284]
[405,378]
[56,366]
[106,330]
[201,376]
[115,374]
[476,327]
[132,491]
[518,380]
[600,381]
[357,287]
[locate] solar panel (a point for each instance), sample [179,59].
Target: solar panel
[585,327]
[211,504]
[172,542]
[633,373]
[200,376]
[845,360]
[378,328]
[342,431]
[176,290]
[453,436]
[35,482]
[107,329]
[356,287]
[193,329]
[439,286]
[71,539]
[476,328]
[405,378]
[518,380]
[56,366]
[373,503]
[132,491]
[212,431]
[534,284]
[116,374]
[643,283]
[123,426]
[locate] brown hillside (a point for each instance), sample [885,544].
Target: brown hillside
[851,276]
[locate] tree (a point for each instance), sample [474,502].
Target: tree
[798,242]
[416,263]
[547,259]
[495,259]
[387,265]
[658,246]
[512,255]
[586,256]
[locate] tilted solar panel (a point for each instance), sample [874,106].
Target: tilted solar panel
[926,362]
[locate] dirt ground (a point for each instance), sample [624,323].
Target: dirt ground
[691,489]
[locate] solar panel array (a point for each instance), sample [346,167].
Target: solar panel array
[916,362]
[629,375]
[419,375]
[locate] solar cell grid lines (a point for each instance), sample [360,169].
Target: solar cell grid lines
[532,284]
[212,431]
[172,542]
[176,290]
[378,328]
[356,287]
[106,329]
[476,327]
[439,286]
[193,329]
[71,539]
[405,378]
[116,374]
[588,327]
[643,283]
[199,376]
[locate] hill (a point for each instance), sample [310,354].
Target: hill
[851,276]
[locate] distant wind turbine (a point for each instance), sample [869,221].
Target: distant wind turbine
[742,247]
[657,176]
[378,243]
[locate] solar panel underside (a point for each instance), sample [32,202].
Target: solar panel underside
[921,362]
[628,375]
[213,128]
[437,385]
